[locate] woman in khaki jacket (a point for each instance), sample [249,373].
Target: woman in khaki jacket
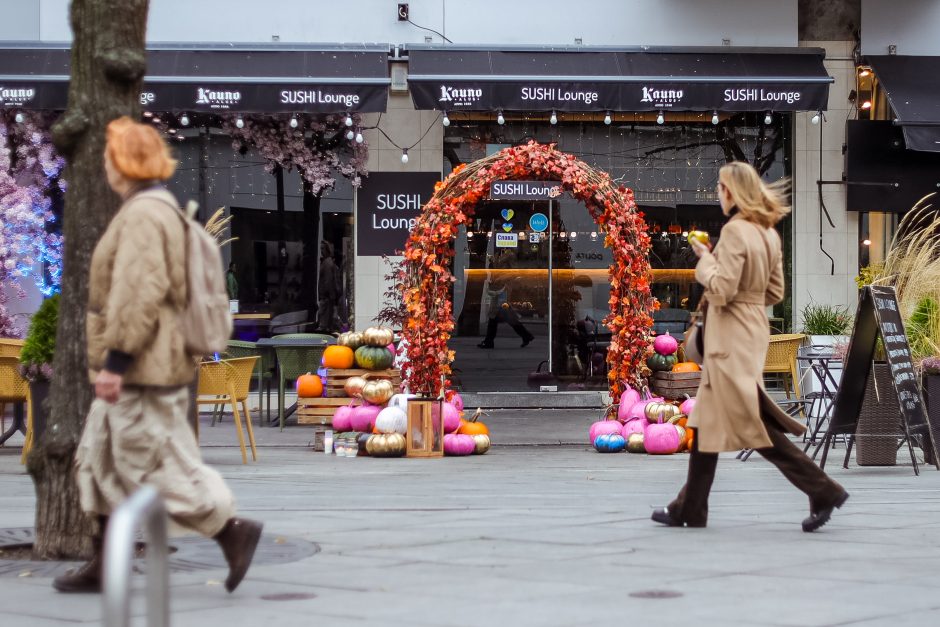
[136,432]
[741,278]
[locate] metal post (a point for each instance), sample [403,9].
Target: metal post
[551,279]
[144,507]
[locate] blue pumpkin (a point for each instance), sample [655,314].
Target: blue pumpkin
[609,443]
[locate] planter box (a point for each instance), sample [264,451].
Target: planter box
[876,438]
[931,392]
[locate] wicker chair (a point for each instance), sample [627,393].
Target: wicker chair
[15,389]
[227,381]
[264,369]
[781,359]
[294,361]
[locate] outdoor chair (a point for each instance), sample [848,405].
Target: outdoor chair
[781,360]
[226,382]
[294,361]
[264,370]
[15,389]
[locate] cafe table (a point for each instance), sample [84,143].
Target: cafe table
[297,354]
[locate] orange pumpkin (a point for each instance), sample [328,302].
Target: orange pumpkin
[686,366]
[338,357]
[689,436]
[472,427]
[309,386]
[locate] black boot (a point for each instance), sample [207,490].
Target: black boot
[491,327]
[522,332]
[87,577]
[238,540]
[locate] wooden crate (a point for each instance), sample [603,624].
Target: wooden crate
[336,379]
[675,386]
[318,411]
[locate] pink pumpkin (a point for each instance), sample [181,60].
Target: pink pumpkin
[451,418]
[392,350]
[687,406]
[665,344]
[633,426]
[341,418]
[456,401]
[638,409]
[362,418]
[458,444]
[661,439]
[628,399]
[603,427]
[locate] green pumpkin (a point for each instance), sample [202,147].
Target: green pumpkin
[374,357]
[661,363]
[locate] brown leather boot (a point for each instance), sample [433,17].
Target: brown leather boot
[87,577]
[238,540]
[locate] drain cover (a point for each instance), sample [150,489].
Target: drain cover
[655,594]
[289,596]
[188,554]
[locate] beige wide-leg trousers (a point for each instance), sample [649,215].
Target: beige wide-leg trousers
[145,439]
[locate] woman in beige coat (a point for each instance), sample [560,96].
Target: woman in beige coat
[742,278]
[137,432]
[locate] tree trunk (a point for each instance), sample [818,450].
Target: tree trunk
[310,236]
[108,64]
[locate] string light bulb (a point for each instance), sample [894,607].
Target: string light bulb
[184,120]
[349,120]
[500,119]
[768,119]
[715,119]
[445,120]
[404,155]
[607,118]
[660,119]
[350,135]
[359,138]
[816,117]
[239,123]
[553,119]
[293,122]
[866,105]
[19,117]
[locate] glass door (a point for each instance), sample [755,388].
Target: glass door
[502,306]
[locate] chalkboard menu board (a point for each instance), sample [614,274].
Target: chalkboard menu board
[878,314]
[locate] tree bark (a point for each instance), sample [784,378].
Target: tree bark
[108,64]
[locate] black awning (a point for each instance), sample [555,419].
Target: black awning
[262,79]
[913,89]
[608,79]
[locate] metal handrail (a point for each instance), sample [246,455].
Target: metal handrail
[144,508]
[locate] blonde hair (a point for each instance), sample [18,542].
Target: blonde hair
[137,151]
[760,202]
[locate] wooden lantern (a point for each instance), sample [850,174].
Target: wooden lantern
[425,435]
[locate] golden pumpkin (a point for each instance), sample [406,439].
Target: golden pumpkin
[353,386]
[635,443]
[386,445]
[655,410]
[481,443]
[378,391]
[377,336]
[351,339]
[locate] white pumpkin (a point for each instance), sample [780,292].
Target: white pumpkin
[392,420]
[401,401]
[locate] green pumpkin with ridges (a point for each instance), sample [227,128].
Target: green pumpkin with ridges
[374,357]
[661,363]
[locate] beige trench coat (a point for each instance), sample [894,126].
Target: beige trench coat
[741,278]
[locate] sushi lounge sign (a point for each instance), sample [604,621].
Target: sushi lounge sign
[525,190]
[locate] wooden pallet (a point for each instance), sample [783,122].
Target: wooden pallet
[675,386]
[336,379]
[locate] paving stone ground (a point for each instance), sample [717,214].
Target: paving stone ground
[536,533]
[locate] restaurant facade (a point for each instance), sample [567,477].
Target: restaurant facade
[659,109]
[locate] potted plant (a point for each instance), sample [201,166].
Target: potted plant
[827,326]
[36,359]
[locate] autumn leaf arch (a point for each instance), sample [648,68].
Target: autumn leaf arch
[427,280]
